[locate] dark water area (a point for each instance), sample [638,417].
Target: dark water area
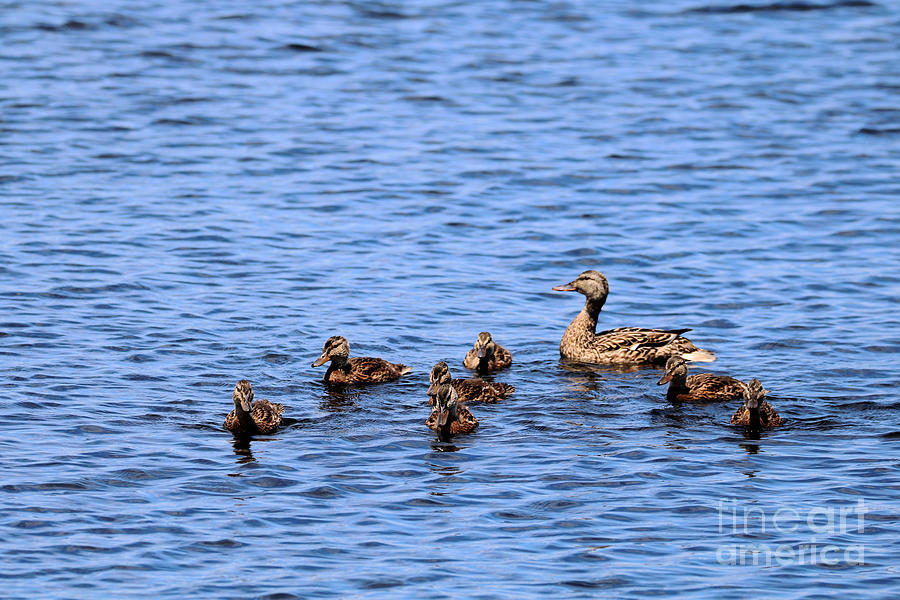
[194,193]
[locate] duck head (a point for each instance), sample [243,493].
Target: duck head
[440,375]
[484,350]
[676,370]
[591,283]
[753,394]
[242,396]
[336,347]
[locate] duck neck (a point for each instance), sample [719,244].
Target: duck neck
[585,323]
[677,386]
[755,420]
[338,363]
[483,365]
[244,418]
[445,431]
[447,428]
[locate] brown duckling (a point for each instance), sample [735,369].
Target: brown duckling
[474,390]
[359,369]
[624,345]
[487,355]
[702,387]
[448,415]
[248,417]
[756,413]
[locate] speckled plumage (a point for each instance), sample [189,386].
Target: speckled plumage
[359,369]
[753,394]
[487,355]
[623,345]
[478,390]
[702,387]
[263,417]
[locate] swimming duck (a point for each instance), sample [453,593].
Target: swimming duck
[624,345]
[702,387]
[487,355]
[359,369]
[250,417]
[756,413]
[448,415]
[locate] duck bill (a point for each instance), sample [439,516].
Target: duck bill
[321,360]
[480,352]
[664,379]
[433,389]
[565,288]
[245,405]
[442,418]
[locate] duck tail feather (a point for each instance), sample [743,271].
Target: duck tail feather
[699,355]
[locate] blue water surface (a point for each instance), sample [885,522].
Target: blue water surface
[197,192]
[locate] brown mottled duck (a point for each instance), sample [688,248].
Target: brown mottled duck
[624,345]
[359,369]
[702,387]
[475,390]
[448,415]
[756,413]
[249,417]
[487,355]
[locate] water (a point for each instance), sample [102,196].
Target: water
[193,193]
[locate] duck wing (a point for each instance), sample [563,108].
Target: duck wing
[634,338]
[266,415]
[502,358]
[370,369]
[478,390]
[768,415]
[466,423]
[707,386]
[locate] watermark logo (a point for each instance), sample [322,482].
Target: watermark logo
[819,524]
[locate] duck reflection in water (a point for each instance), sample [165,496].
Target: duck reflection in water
[750,448]
[338,399]
[583,377]
[438,446]
[241,444]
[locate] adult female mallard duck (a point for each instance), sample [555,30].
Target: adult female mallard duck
[756,413]
[702,387]
[487,355]
[625,345]
[473,390]
[448,415]
[359,369]
[248,417]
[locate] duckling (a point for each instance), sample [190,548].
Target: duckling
[474,390]
[624,345]
[250,417]
[359,369]
[703,387]
[487,355]
[448,415]
[755,413]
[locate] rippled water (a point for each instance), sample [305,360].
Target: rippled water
[193,193]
